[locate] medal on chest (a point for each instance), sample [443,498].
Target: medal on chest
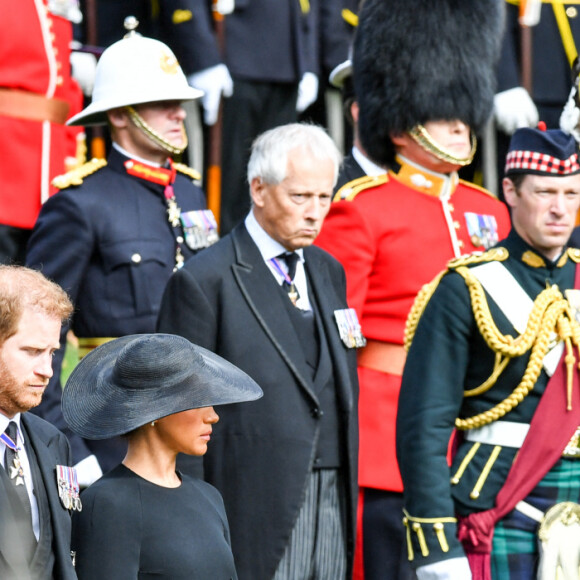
[482,229]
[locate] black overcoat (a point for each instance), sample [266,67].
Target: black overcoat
[227,300]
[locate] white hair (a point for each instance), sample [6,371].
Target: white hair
[269,157]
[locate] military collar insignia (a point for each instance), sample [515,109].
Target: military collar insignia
[158,175]
[534,260]
[423,180]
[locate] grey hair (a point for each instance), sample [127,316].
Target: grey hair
[269,156]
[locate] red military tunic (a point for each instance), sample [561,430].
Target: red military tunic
[393,234]
[35,49]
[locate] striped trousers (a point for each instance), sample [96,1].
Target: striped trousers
[317,546]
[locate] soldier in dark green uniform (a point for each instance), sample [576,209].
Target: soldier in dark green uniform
[493,359]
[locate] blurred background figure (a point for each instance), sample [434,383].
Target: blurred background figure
[534,75]
[37,95]
[144,518]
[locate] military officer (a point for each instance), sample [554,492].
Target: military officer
[118,228]
[495,356]
[394,232]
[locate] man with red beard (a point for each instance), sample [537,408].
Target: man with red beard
[36,527]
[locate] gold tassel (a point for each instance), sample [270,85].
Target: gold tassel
[421,537]
[410,553]
[570,361]
[440,533]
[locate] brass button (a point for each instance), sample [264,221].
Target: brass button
[456,225]
[571,12]
[136,258]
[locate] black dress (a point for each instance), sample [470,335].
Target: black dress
[130,528]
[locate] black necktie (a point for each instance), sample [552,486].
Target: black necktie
[14,469]
[291,259]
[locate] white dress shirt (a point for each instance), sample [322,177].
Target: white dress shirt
[270,248]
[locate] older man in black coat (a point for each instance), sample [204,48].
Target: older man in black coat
[282,464]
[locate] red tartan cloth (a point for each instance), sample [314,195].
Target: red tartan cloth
[550,430]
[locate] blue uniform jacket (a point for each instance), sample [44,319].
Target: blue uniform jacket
[109,244]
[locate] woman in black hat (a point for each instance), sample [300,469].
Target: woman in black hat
[144,519]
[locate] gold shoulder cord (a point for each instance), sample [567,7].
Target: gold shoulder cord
[427,290]
[75,176]
[551,315]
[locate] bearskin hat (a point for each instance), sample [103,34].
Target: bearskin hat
[423,60]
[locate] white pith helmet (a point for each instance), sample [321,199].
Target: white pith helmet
[131,71]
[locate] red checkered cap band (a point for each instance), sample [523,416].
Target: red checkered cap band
[541,163]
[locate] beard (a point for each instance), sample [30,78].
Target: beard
[14,396]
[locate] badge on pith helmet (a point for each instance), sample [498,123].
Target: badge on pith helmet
[132,71]
[423,61]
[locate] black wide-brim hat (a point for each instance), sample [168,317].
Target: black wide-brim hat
[139,378]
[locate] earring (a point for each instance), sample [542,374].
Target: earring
[152,423]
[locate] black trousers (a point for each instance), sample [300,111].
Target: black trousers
[252,109]
[384,546]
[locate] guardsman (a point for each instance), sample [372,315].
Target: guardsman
[394,232]
[118,228]
[495,354]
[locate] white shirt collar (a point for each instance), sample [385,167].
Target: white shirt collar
[268,246]
[134,157]
[368,166]
[4,420]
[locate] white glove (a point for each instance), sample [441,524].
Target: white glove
[83,70]
[514,109]
[307,91]
[213,81]
[453,569]
[570,116]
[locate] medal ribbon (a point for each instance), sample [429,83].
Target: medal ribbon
[9,443]
[280,270]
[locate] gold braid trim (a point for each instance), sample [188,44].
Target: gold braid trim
[424,295]
[551,317]
[418,307]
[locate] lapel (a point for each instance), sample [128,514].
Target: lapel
[259,289]
[47,467]
[12,560]
[321,286]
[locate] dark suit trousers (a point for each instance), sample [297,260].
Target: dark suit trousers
[253,108]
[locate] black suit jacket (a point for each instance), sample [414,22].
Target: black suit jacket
[227,300]
[52,449]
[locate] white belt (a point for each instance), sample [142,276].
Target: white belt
[504,433]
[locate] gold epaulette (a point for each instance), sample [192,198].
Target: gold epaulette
[76,176]
[479,188]
[574,254]
[186,170]
[351,189]
[493,255]
[413,524]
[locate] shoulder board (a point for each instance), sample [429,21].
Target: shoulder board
[351,189]
[75,176]
[182,168]
[574,254]
[479,188]
[493,255]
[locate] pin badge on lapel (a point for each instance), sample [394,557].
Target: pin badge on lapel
[349,328]
[68,487]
